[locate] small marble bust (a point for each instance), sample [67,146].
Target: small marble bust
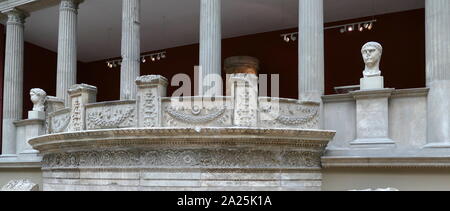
[371,53]
[38,97]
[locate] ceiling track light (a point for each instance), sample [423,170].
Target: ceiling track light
[153,57]
[357,26]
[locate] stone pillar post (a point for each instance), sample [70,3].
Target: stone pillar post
[311,50]
[437,21]
[131,48]
[67,48]
[245,93]
[210,47]
[13,79]
[150,90]
[80,95]
[372,119]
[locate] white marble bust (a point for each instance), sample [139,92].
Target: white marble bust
[371,53]
[38,97]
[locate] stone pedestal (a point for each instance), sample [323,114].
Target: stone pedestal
[27,129]
[36,115]
[372,83]
[150,90]
[244,89]
[372,119]
[80,95]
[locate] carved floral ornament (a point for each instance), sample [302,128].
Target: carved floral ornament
[195,116]
[110,117]
[211,158]
[151,79]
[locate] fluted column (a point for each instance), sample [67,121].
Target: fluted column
[131,49]
[13,79]
[311,50]
[67,48]
[210,45]
[437,21]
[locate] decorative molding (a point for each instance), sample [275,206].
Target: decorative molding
[195,118]
[150,109]
[110,117]
[213,136]
[338,98]
[371,94]
[151,80]
[16,16]
[419,92]
[385,162]
[176,158]
[299,115]
[76,121]
[59,123]
[70,5]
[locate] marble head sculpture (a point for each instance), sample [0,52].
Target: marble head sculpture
[371,53]
[38,97]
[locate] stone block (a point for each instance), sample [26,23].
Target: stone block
[370,83]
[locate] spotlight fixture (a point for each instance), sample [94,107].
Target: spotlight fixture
[350,28]
[358,26]
[154,56]
[289,37]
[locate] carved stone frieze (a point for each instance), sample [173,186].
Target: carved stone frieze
[59,123]
[196,116]
[76,119]
[168,158]
[149,109]
[110,116]
[289,114]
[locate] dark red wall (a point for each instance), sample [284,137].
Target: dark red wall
[403,64]
[401,34]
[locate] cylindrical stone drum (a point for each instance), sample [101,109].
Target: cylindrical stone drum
[241,64]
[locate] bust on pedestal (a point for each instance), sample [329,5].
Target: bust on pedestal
[33,126]
[38,97]
[371,53]
[372,103]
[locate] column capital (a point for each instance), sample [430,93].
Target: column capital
[16,16]
[70,4]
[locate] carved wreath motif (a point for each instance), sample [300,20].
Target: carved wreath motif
[109,118]
[195,118]
[309,117]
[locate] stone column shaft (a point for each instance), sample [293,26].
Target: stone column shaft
[13,79]
[437,21]
[67,48]
[131,49]
[311,50]
[210,45]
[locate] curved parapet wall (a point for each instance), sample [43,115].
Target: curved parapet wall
[183,159]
